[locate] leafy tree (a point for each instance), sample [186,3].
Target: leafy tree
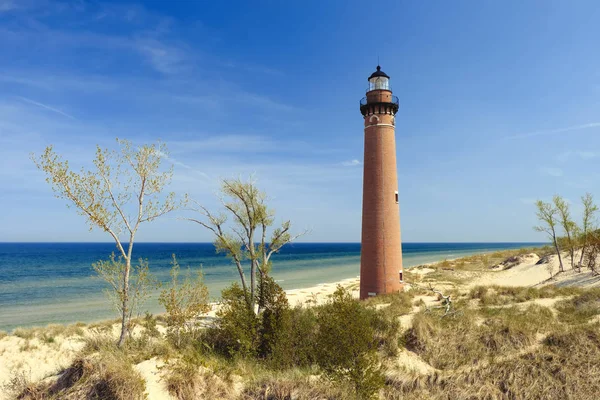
[568,226]
[123,191]
[547,215]
[183,300]
[588,223]
[244,240]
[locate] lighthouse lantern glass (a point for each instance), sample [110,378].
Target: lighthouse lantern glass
[379,83]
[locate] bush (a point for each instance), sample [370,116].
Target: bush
[346,344]
[235,331]
[274,317]
[295,346]
[183,301]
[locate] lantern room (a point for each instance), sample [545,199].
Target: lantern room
[379,80]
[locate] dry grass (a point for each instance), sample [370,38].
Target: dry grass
[187,381]
[471,337]
[3,334]
[566,366]
[49,333]
[580,308]
[108,376]
[501,295]
[284,387]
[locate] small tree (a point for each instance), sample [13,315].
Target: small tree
[252,219]
[593,251]
[183,301]
[588,223]
[123,183]
[568,226]
[547,214]
[346,344]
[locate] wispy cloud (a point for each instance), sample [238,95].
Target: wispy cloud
[351,163]
[551,171]
[583,155]
[7,5]
[166,59]
[56,110]
[555,131]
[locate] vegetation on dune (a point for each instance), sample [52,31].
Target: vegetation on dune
[500,295]
[473,337]
[183,300]
[581,308]
[244,233]
[494,347]
[565,365]
[126,182]
[584,238]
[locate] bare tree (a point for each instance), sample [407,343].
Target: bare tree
[245,238]
[124,182]
[588,223]
[568,226]
[547,214]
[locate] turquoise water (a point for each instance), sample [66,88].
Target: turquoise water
[42,283]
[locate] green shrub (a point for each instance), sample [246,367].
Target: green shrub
[235,332]
[274,317]
[149,325]
[346,344]
[295,346]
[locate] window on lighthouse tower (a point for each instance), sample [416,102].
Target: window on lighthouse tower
[379,83]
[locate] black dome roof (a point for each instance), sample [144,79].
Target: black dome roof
[379,72]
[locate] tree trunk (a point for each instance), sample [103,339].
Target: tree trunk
[125,304]
[252,283]
[561,268]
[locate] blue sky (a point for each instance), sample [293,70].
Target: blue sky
[499,106]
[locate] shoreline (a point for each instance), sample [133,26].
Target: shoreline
[40,352]
[296,295]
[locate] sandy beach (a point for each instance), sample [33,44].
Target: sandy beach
[39,354]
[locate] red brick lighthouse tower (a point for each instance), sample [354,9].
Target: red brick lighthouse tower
[381,250]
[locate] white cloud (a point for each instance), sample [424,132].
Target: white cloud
[351,163]
[583,155]
[555,131]
[56,110]
[551,171]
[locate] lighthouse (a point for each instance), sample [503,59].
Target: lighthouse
[381,246]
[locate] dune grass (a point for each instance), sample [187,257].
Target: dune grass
[502,295]
[565,366]
[580,308]
[473,336]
